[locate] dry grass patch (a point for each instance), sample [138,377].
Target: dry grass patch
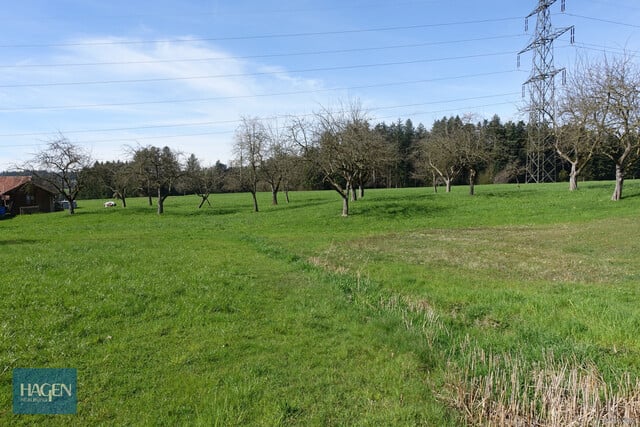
[577,253]
[492,390]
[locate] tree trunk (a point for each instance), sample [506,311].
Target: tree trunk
[361,191]
[447,183]
[160,202]
[274,195]
[69,199]
[345,204]
[472,182]
[354,195]
[255,201]
[435,183]
[286,194]
[573,178]
[124,200]
[205,198]
[617,193]
[150,199]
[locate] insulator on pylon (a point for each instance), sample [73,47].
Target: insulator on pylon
[526,24]
[563,5]
[564,77]
[523,91]
[518,61]
[573,35]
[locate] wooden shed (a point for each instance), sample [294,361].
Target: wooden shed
[25,194]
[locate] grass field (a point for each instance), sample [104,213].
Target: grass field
[520,304]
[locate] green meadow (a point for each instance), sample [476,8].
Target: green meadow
[418,309]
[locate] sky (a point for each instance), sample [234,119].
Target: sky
[114,75]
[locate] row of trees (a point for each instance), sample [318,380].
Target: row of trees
[153,172]
[68,168]
[599,115]
[595,134]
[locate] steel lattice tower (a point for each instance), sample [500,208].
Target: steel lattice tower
[541,159]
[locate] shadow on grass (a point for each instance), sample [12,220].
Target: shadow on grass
[400,208]
[214,211]
[293,205]
[91,212]
[17,242]
[168,211]
[630,193]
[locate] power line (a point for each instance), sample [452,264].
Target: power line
[608,21]
[264,36]
[444,102]
[415,113]
[264,56]
[262,95]
[262,73]
[230,132]
[226,122]
[601,48]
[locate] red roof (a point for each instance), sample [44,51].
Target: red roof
[8,183]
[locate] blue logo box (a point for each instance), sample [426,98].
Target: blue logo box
[45,391]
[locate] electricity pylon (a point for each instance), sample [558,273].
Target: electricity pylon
[541,159]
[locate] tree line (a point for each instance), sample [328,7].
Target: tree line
[593,134]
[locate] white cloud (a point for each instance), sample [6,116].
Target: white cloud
[183,71]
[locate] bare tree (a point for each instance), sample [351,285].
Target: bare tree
[454,145]
[618,90]
[605,99]
[291,170]
[251,139]
[118,177]
[273,166]
[370,154]
[62,166]
[472,149]
[335,143]
[579,117]
[576,144]
[441,157]
[439,152]
[200,180]
[158,169]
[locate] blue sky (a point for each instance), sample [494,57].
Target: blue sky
[115,74]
